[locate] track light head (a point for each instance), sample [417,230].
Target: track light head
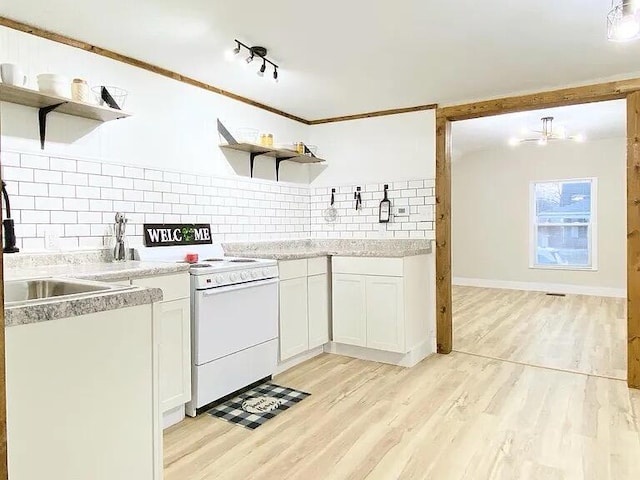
[250,58]
[262,69]
[275,74]
[236,50]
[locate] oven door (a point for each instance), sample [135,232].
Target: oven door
[233,318]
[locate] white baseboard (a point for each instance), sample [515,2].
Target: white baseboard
[410,359]
[542,287]
[173,416]
[298,359]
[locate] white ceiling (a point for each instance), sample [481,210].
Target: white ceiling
[342,57]
[593,120]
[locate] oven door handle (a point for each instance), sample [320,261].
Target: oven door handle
[238,286]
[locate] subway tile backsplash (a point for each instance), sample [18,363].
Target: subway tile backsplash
[64,203]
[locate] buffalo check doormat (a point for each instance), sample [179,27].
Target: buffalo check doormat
[254,407]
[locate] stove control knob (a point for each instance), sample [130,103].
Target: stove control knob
[219,279]
[234,277]
[244,275]
[254,273]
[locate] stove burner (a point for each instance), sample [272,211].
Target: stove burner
[242,260]
[214,259]
[200,265]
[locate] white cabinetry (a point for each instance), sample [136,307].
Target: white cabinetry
[349,309]
[381,303]
[294,323]
[82,398]
[173,321]
[318,308]
[385,313]
[304,305]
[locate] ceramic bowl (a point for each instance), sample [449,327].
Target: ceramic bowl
[54,84]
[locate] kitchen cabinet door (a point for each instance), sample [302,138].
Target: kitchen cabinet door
[174,323]
[318,302]
[349,309]
[294,322]
[385,313]
[81,398]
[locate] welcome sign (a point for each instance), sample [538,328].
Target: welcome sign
[165,235]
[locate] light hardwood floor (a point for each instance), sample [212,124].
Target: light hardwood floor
[575,333]
[451,417]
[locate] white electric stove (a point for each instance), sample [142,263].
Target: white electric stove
[234,320]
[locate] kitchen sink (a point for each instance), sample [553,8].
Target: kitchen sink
[20,292]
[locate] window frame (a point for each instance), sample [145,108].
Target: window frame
[592,229]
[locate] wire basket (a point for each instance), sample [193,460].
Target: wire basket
[119,95]
[313,149]
[247,135]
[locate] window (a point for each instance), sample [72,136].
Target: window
[563,224]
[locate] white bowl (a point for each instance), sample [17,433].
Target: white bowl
[54,84]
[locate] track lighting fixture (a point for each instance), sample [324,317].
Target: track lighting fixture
[253,52]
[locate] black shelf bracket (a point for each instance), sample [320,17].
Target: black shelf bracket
[278,162]
[42,121]
[252,158]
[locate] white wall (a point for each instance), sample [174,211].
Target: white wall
[73,187]
[490,213]
[379,149]
[173,126]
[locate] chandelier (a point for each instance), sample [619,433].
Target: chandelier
[547,134]
[623,21]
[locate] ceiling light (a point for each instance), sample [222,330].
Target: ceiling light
[231,54]
[623,21]
[254,52]
[547,134]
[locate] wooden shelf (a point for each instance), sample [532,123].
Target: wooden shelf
[33,98]
[46,104]
[254,151]
[278,153]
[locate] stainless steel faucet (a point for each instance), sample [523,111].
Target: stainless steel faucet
[120,249]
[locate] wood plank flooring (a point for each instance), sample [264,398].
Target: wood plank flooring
[575,333]
[454,417]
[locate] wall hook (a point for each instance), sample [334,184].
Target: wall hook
[358,198]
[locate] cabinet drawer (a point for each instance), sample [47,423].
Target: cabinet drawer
[318,266]
[173,287]
[292,269]
[390,267]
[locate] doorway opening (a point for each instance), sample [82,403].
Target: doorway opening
[538,237]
